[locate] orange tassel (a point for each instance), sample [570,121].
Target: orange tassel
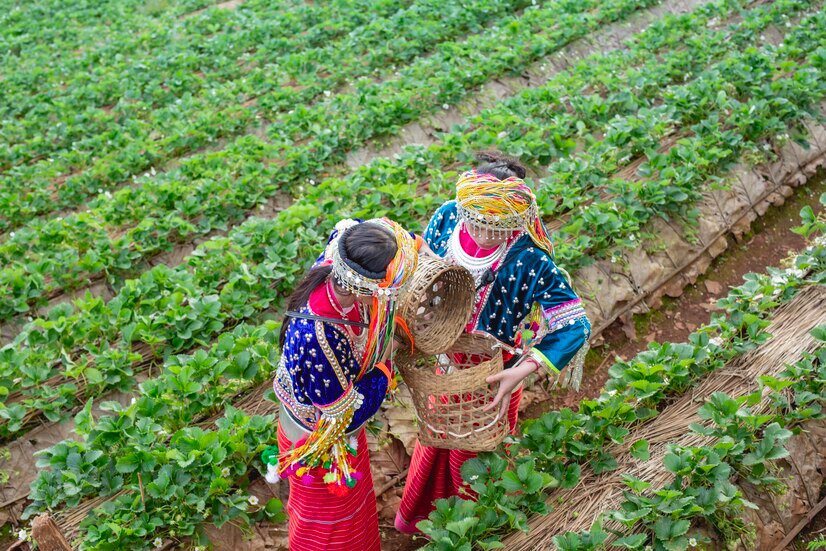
[403,324]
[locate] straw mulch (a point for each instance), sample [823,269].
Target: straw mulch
[578,508]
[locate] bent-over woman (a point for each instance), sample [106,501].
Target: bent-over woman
[333,376]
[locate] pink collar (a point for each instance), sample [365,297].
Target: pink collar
[470,246]
[320,304]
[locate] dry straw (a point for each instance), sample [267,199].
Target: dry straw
[577,509]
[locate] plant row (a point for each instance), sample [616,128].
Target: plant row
[165,477]
[194,485]
[212,190]
[95,345]
[75,106]
[513,483]
[138,138]
[743,445]
[741,119]
[43,368]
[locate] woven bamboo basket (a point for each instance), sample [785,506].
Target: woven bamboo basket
[437,305]
[449,393]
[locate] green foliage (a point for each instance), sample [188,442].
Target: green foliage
[685,76]
[741,442]
[819,543]
[214,189]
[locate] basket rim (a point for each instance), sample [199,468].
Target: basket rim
[437,340]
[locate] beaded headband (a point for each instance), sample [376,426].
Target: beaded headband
[385,287]
[358,280]
[500,207]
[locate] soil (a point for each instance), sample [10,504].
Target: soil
[815,531]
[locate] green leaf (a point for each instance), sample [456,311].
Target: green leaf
[461,527]
[510,482]
[640,450]
[604,462]
[674,463]
[84,420]
[128,463]
[617,434]
[637,485]
[634,541]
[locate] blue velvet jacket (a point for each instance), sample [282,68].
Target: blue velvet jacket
[530,305]
[319,366]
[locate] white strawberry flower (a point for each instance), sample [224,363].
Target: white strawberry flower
[795,272]
[252,500]
[22,535]
[157,542]
[692,542]
[225,472]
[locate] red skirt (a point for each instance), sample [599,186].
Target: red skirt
[435,473]
[320,521]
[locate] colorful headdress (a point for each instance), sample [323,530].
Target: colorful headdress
[327,451]
[500,207]
[385,286]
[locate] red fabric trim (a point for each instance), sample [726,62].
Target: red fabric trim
[435,473]
[320,305]
[319,521]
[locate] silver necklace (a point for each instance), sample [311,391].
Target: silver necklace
[477,266]
[357,341]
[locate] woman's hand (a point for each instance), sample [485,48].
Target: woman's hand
[426,250]
[508,380]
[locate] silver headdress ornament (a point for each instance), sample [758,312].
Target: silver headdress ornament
[360,281]
[496,207]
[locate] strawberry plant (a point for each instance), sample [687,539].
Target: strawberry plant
[216,189]
[559,443]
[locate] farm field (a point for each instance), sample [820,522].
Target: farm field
[168,171]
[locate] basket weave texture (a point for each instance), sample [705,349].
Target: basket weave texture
[438,304]
[449,391]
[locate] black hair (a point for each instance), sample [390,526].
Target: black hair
[368,246]
[500,165]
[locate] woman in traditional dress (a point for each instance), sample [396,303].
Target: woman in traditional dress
[523,300]
[333,376]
